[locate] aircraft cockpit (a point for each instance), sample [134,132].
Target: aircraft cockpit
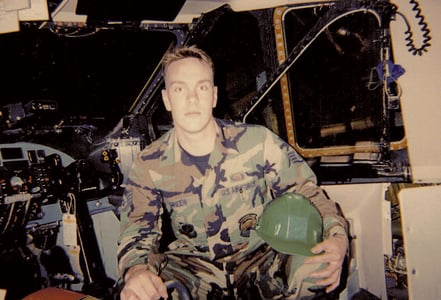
[350,84]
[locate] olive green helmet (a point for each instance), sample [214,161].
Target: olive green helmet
[291,224]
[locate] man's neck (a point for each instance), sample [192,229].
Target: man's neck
[200,143]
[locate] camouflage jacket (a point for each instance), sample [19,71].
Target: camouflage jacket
[213,214]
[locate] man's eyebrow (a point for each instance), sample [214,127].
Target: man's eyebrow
[183,82]
[175,81]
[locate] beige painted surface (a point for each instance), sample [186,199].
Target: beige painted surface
[420,208]
[364,207]
[421,85]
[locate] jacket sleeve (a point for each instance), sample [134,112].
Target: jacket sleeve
[140,220]
[294,175]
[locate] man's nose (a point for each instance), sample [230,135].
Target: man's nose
[192,96]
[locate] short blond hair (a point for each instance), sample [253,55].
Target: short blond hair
[179,53]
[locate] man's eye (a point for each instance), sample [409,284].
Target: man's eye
[204,87]
[177,89]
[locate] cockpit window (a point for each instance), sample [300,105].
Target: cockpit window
[334,86]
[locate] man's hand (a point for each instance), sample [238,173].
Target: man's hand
[333,251]
[142,284]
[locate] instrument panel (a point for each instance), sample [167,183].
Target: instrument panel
[31,175]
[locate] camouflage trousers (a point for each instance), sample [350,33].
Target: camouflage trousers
[266,274]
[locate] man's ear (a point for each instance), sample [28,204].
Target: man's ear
[165,100]
[215,96]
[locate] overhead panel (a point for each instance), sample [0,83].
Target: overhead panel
[129,10]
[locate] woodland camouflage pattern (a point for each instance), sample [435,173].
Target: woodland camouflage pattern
[213,214]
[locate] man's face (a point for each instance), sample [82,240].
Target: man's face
[190,94]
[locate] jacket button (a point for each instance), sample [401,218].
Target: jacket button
[188,230]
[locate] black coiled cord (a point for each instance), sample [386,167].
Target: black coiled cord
[424,30]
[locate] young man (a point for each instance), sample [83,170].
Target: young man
[214,177]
